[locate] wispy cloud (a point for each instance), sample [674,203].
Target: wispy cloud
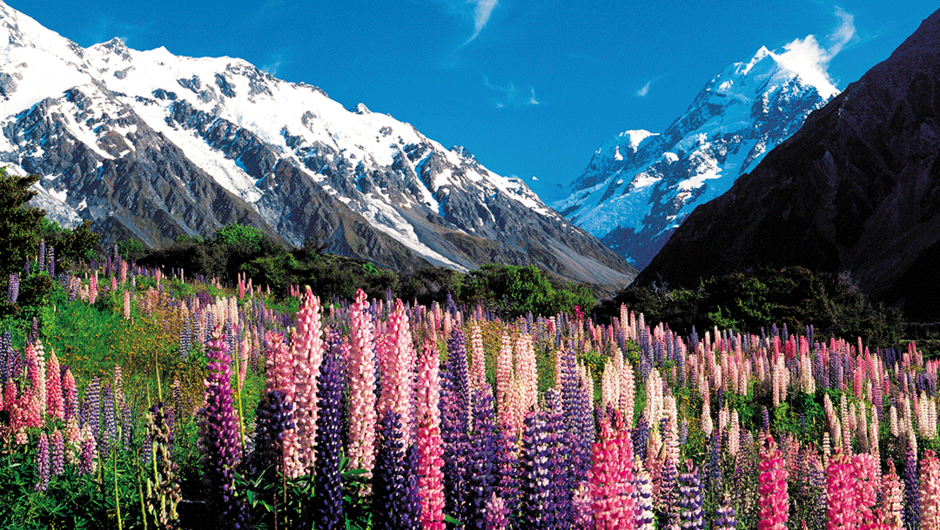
[811,59]
[642,92]
[481,15]
[477,10]
[274,63]
[510,96]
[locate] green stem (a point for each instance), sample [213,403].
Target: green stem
[140,488]
[117,500]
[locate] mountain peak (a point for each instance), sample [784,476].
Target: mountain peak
[639,186]
[150,145]
[855,189]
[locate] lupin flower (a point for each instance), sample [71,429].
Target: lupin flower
[56,453]
[108,431]
[840,493]
[13,288]
[360,371]
[724,516]
[929,490]
[504,381]
[482,470]
[89,461]
[690,499]
[428,440]
[911,491]
[864,469]
[643,497]
[42,463]
[308,355]
[219,438]
[455,427]
[397,368]
[611,486]
[892,499]
[477,357]
[536,493]
[273,417]
[127,305]
[328,513]
[54,404]
[163,487]
[497,514]
[394,492]
[772,490]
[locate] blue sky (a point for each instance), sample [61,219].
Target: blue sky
[531,88]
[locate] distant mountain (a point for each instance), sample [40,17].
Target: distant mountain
[856,189]
[153,145]
[640,185]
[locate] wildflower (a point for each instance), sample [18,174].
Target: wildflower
[428,440]
[329,442]
[930,490]
[395,492]
[219,438]
[772,489]
[497,514]
[13,288]
[840,492]
[42,463]
[690,499]
[724,516]
[361,376]
[309,348]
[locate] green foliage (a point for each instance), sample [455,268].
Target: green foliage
[235,234]
[832,303]
[78,244]
[131,249]
[517,291]
[19,224]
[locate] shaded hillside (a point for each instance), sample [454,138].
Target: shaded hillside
[856,189]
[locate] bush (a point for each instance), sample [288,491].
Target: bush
[793,296]
[19,224]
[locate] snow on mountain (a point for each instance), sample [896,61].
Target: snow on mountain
[203,141]
[640,186]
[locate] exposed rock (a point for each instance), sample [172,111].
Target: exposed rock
[856,189]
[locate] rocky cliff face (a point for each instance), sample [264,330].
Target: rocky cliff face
[152,145]
[856,189]
[640,186]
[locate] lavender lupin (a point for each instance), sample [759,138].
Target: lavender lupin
[13,288]
[396,507]
[57,453]
[911,491]
[690,499]
[42,463]
[219,439]
[328,512]
[536,494]
[481,471]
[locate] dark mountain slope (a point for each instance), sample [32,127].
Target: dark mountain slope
[857,188]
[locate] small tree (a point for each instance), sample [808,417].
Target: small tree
[235,234]
[20,225]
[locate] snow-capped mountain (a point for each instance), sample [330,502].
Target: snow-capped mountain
[855,191]
[640,185]
[153,145]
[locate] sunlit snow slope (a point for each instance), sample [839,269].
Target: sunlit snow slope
[152,145]
[640,186]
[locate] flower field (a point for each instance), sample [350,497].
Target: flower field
[137,398]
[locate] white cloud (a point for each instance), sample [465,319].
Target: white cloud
[481,15]
[510,96]
[645,90]
[532,100]
[811,60]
